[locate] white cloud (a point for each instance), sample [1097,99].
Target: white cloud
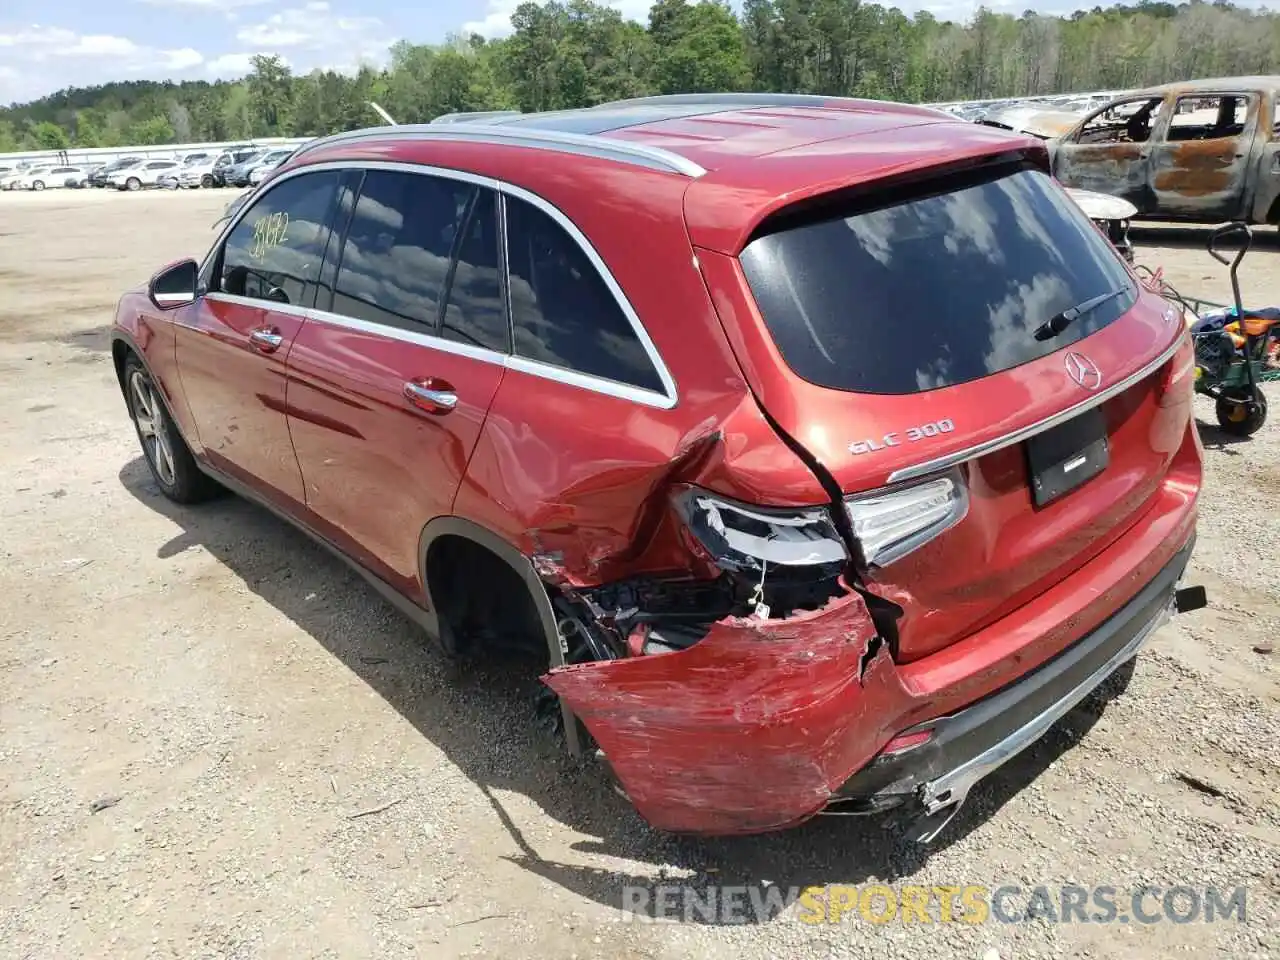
[317,37]
[39,59]
[497,21]
[219,5]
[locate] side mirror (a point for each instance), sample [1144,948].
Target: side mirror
[175,286]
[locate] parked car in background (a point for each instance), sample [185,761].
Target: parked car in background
[78,181]
[43,178]
[1202,151]
[268,163]
[812,493]
[237,174]
[232,158]
[99,177]
[146,173]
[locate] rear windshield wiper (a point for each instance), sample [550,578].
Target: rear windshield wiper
[1060,321]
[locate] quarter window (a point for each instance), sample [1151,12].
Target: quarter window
[274,252]
[474,311]
[562,312]
[395,262]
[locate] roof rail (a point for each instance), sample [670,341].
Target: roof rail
[760,100]
[475,116]
[607,148]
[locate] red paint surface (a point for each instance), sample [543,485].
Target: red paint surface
[754,727]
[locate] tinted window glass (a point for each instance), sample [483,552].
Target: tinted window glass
[934,291]
[396,259]
[274,253]
[474,311]
[561,309]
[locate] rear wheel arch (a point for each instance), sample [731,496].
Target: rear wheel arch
[446,540]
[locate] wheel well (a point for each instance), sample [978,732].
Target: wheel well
[120,352]
[1273,215]
[484,604]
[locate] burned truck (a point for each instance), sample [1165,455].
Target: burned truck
[1201,151]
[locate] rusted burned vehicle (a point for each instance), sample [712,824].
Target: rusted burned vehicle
[1200,151]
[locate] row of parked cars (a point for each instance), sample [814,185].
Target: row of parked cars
[235,167]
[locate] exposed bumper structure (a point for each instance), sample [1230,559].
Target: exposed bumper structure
[765,723]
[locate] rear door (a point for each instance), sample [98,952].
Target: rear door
[1200,161]
[391,381]
[233,343]
[906,334]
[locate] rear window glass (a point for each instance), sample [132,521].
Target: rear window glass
[935,290]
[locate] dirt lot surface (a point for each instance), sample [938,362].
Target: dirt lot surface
[244,697]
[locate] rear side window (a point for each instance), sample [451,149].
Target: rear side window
[935,290]
[274,252]
[474,312]
[395,262]
[562,311]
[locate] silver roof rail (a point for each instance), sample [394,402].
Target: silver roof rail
[587,145]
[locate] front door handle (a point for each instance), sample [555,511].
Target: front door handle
[266,339]
[431,394]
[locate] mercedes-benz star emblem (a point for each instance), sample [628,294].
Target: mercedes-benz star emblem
[1083,371]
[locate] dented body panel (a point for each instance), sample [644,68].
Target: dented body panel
[1227,168]
[757,726]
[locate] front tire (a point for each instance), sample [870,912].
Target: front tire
[38,185]
[206,181]
[1242,418]
[172,466]
[133,183]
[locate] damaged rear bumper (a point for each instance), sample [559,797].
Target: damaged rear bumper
[936,774]
[763,724]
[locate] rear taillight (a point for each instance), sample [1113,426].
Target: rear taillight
[1179,375]
[889,524]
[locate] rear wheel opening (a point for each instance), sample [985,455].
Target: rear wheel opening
[1240,416]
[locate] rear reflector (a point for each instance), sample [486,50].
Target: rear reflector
[906,741]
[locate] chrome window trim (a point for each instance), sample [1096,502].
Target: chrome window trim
[939,464]
[407,336]
[664,401]
[585,145]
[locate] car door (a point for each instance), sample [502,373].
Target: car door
[1201,163]
[233,343]
[390,382]
[1110,151]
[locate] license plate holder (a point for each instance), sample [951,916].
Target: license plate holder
[1068,455]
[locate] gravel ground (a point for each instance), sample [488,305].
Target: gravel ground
[246,701]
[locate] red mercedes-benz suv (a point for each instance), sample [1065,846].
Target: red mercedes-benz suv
[823,448]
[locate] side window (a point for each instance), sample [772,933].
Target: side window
[1208,118]
[474,311]
[274,252]
[395,261]
[562,312]
[1125,121]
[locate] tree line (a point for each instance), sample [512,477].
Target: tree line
[577,53]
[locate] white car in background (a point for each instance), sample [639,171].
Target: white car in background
[267,164]
[22,179]
[148,173]
[42,178]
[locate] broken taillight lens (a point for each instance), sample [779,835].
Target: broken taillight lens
[890,524]
[738,536]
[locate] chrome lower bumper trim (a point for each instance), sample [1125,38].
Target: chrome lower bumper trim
[951,789]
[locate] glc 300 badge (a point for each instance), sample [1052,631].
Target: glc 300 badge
[910,435]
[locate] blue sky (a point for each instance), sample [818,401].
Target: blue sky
[46,45]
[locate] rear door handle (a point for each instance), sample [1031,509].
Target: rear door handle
[266,339]
[431,394]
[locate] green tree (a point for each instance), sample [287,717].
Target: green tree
[152,131]
[270,96]
[49,136]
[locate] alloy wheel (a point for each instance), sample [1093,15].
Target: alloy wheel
[149,415]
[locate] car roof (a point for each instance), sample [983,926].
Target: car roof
[745,155]
[1210,85]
